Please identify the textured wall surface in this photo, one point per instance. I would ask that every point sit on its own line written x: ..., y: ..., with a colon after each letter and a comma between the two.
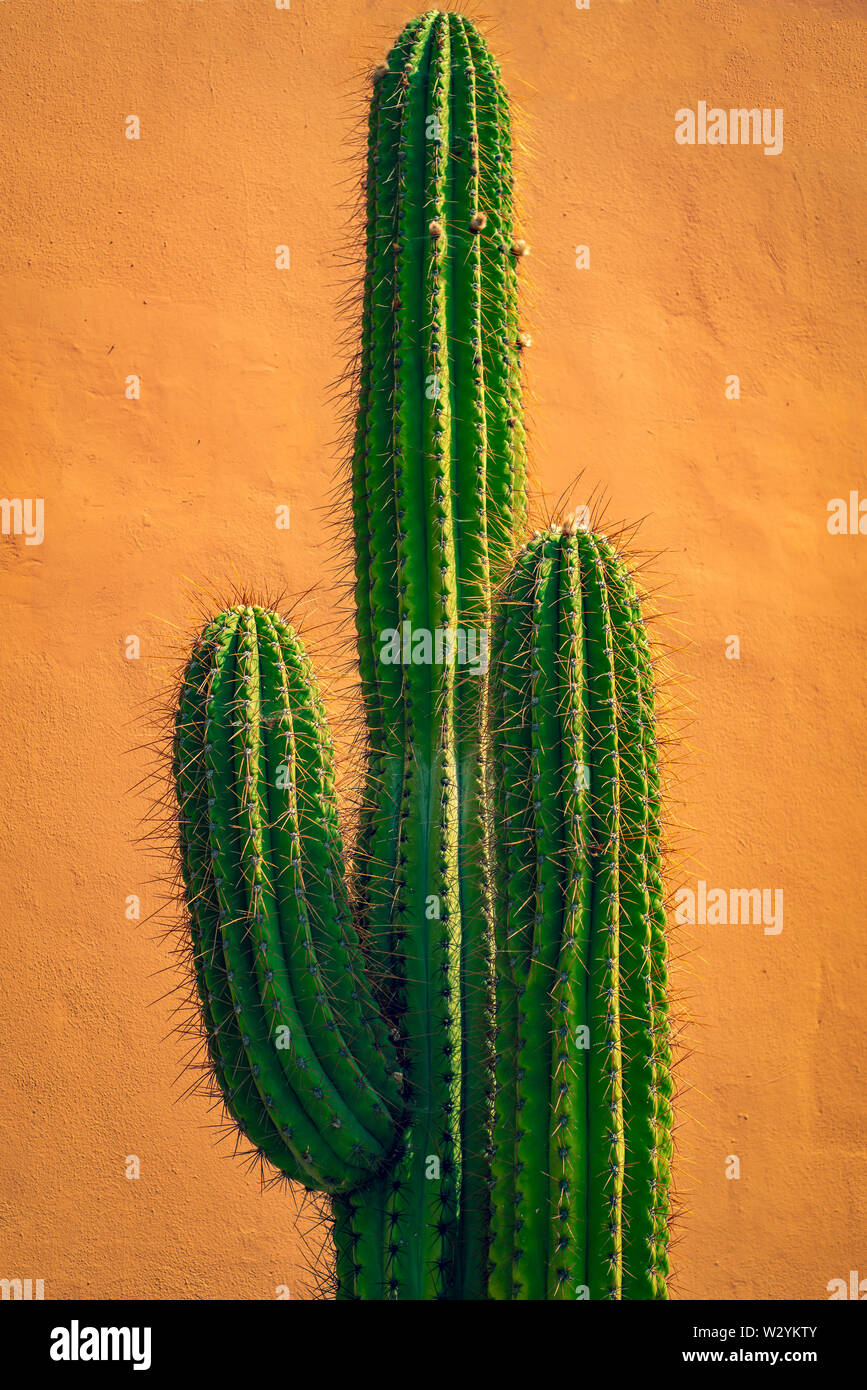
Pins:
x: 156, y: 258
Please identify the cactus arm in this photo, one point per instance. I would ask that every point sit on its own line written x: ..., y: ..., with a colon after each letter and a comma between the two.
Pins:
x: 578, y: 906
x: 281, y: 1095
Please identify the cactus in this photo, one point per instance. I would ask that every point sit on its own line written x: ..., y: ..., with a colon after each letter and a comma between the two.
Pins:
x: 406, y: 1039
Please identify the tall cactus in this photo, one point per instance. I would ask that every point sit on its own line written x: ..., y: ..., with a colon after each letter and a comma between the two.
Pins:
x: 351, y: 1022
x: 438, y: 492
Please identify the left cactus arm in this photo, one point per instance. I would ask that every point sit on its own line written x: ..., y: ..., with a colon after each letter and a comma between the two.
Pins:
x: 302, y: 1058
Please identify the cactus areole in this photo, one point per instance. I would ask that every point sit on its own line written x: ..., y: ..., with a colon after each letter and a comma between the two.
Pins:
x: 464, y: 1041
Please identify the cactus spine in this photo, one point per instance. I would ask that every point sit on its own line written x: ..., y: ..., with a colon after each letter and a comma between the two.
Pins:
x: 352, y: 1022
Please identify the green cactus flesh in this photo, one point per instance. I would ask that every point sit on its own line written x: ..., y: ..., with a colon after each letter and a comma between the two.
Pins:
x: 408, y: 1037
x: 300, y: 1051
x: 439, y: 498
x: 583, y: 1099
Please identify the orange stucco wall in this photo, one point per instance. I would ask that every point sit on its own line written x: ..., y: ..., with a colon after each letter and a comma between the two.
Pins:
x: 155, y: 257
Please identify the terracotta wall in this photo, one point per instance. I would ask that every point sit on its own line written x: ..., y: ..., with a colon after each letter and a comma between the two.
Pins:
x: 155, y: 258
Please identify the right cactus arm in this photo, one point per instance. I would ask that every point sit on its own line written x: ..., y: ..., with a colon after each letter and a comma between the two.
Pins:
x: 582, y: 1135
